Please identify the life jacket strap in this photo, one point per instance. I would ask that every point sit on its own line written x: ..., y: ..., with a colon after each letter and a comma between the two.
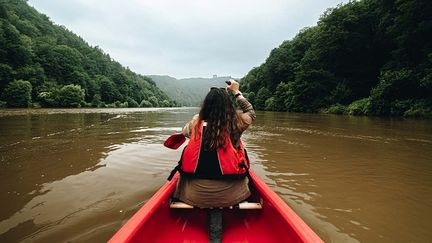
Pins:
x: 177, y: 168
x: 173, y: 171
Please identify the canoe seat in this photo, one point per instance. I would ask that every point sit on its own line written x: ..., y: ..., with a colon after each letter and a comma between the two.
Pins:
x: 242, y: 205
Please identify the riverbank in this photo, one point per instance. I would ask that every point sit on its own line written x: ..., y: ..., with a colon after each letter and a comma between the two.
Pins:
x: 419, y: 111
x: 405, y: 108
x: 47, y: 111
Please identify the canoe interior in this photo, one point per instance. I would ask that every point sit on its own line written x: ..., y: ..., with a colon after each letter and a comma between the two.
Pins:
x: 190, y: 225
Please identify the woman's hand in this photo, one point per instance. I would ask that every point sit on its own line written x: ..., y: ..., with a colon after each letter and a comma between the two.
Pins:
x: 233, y: 86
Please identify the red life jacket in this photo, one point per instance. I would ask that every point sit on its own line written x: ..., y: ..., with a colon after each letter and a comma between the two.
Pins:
x: 222, y: 163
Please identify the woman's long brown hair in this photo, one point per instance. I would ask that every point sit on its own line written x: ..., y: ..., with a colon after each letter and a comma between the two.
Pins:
x: 222, y: 120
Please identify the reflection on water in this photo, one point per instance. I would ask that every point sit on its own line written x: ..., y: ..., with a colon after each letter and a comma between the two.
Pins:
x: 351, y: 178
x: 78, y: 175
x: 69, y: 175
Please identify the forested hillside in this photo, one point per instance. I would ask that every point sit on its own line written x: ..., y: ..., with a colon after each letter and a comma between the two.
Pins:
x: 368, y: 57
x: 187, y: 91
x: 43, y: 64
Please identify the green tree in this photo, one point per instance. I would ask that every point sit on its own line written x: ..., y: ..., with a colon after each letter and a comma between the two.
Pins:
x: 71, y: 95
x: 359, y: 107
x: 393, y: 85
x: 6, y: 75
x: 154, y: 101
x: 49, y: 98
x: 281, y: 96
x: 15, y: 48
x: 270, y: 104
x: 92, y: 89
x: 165, y: 103
x: 96, y: 101
x: 145, y: 103
x: 108, y: 91
x: 251, y: 96
x: 61, y: 64
x: 307, y: 93
x: 35, y: 75
x: 261, y: 97
x: 18, y: 94
x: 131, y: 102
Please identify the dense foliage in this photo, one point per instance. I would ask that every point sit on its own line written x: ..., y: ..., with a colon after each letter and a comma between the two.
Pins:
x: 368, y: 57
x: 60, y: 69
x: 18, y: 93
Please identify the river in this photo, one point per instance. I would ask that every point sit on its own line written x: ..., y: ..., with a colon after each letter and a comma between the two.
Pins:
x: 79, y: 174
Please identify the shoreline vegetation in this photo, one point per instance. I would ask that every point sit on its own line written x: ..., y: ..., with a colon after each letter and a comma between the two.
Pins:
x: 46, y: 65
x: 405, y: 108
x: 5, y: 112
x: 366, y: 57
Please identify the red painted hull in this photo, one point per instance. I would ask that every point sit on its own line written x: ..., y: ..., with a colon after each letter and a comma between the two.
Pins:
x: 157, y: 222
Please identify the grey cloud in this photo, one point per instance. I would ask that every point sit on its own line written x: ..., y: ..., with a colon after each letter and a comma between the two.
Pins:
x: 186, y: 38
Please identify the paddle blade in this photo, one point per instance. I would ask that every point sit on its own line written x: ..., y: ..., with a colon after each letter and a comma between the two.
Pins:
x: 175, y: 141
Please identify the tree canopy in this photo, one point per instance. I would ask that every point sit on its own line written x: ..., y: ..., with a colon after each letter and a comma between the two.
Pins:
x: 18, y: 93
x: 370, y: 53
x: 55, y: 62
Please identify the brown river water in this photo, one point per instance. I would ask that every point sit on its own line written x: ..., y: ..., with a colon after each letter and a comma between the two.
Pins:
x: 77, y: 175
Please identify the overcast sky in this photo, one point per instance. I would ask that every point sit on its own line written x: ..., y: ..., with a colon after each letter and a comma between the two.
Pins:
x: 187, y: 38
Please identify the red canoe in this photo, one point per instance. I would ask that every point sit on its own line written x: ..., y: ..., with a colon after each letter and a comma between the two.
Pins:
x: 157, y: 222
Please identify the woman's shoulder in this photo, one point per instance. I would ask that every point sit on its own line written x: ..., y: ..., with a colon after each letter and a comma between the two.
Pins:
x: 187, y: 129
x: 195, y: 119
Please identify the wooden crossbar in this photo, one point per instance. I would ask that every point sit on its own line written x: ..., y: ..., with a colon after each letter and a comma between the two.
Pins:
x: 180, y: 205
x: 243, y: 205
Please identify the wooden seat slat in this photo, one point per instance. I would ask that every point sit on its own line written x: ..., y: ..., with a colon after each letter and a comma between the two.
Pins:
x: 242, y: 205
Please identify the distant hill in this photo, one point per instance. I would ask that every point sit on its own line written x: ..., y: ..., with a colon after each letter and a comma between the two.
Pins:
x: 187, y: 91
x: 44, y: 64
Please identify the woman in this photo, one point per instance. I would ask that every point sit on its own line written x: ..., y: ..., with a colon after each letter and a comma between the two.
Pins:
x: 214, y: 164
